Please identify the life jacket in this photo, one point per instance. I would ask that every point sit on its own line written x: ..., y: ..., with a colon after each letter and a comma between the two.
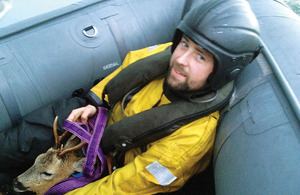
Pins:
x: 145, y: 127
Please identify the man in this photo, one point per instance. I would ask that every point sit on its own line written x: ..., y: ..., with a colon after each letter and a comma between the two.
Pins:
x: 190, y: 66
x: 211, y: 46
x: 173, y: 111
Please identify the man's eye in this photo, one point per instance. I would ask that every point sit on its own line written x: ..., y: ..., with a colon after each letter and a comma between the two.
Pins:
x: 184, y: 44
x: 200, y: 57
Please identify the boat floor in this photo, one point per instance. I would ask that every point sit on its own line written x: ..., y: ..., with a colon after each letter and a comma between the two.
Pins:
x: 201, y: 184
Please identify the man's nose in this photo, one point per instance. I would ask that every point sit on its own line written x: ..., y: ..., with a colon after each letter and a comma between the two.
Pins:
x: 183, y: 59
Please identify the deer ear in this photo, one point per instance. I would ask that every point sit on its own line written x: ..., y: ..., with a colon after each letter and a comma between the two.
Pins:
x: 78, y: 165
x: 72, y: 141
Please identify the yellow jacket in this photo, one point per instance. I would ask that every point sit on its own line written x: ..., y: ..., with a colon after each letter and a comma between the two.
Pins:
x: 169, y: 162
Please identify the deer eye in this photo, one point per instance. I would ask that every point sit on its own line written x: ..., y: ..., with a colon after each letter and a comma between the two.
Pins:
x: 46, y: 174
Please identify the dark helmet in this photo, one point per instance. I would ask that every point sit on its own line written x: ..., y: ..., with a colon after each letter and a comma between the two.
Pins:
x: 226, y: 28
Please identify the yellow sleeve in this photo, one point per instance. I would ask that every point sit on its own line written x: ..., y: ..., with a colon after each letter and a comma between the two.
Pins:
x: 184, y: 153
x: 130, y: 58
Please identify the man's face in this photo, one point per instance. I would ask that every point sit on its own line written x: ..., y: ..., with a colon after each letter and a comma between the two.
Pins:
x: 190, y: 66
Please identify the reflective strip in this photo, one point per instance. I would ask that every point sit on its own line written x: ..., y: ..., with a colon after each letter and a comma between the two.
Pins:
x: 161, y: 173
x: 152, y: 47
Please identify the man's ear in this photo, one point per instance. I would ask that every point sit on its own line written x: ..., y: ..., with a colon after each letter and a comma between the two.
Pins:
x: 78, y: 165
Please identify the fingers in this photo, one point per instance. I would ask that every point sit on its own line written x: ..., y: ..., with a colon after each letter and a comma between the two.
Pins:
x: 82, y: 113
x: 77, y: 117
x: 75, y: 113
x: 88, y: 112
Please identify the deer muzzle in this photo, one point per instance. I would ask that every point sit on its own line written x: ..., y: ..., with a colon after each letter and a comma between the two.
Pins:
x: 18, y: 186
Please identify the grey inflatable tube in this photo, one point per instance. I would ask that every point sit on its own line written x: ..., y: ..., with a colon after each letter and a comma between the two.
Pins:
x: 50, y: 55
x: 257, y: 145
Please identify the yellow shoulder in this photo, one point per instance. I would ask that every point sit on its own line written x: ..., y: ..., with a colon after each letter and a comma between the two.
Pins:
x: 130, y: 58
x: 136, y: 55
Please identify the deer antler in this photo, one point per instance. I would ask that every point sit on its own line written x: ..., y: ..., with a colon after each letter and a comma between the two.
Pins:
x: 56, y: 137
x: 59, y: 138
x: 55, y: 132
x: 63, y: 152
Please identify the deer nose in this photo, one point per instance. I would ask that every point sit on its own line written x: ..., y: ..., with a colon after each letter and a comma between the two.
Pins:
x: 18, y: 186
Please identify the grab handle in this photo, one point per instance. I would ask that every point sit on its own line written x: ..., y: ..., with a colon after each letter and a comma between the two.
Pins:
x: 92, y: 27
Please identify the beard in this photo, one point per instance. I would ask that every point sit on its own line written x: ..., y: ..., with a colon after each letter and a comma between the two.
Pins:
x: 182, y: 85
x: 176, y: 85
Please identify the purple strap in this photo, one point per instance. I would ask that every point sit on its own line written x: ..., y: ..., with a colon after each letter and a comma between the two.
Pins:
x: 92, y: 134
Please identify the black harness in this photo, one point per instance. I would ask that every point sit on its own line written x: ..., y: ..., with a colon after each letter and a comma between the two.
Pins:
x: 158, y: 122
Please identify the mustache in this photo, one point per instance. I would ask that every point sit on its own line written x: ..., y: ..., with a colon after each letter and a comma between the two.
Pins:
x: 179, y: 69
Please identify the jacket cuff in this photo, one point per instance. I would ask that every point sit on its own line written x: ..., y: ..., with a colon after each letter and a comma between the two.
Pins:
x: 94, y: 100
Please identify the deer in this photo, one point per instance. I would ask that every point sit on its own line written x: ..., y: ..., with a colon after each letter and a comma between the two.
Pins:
x: 53, y: 166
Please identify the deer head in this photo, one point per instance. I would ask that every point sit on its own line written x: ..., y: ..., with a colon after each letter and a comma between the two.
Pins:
x: 49, y: 168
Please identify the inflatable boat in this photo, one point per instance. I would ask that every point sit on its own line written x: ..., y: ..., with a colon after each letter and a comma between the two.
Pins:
x: 56, y: 49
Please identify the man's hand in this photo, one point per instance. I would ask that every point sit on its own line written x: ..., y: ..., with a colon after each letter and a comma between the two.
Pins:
x: 84, y: 113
